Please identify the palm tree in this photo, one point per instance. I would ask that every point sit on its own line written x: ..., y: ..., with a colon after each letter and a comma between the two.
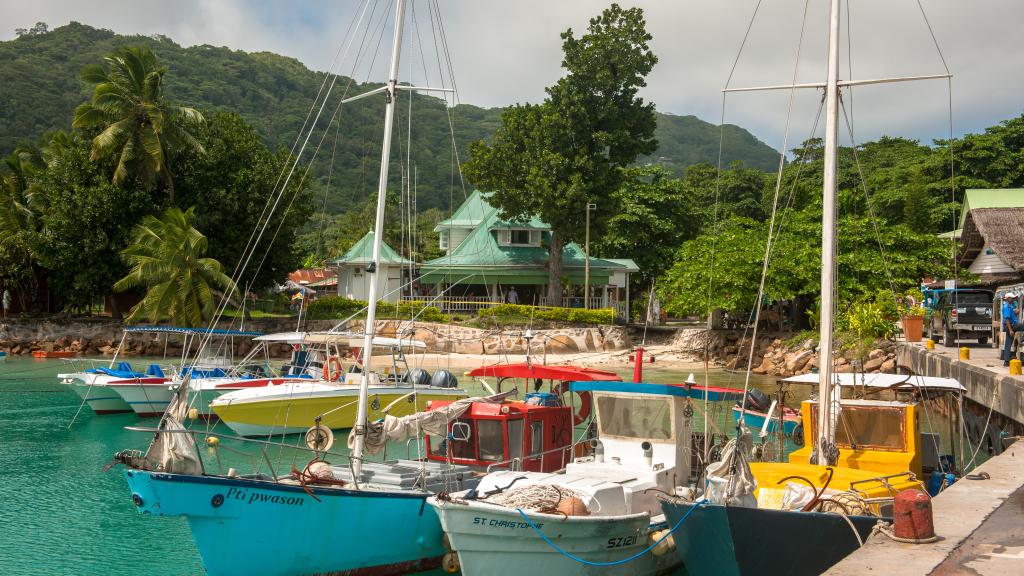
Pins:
x: 136, y: 124
x: 20, y: 221
x: 166, y: 257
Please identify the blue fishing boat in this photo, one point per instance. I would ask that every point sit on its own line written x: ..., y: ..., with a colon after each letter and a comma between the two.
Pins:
x: 3, y: 355
x: 354, y: 518
x: 755, y: 420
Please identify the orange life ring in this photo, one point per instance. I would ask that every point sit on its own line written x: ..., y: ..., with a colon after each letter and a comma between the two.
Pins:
x: 583, y: 413
x: 336, y: 363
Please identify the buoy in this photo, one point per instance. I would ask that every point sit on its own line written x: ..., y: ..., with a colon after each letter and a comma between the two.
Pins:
x: 965, y: 353
x: 1015, y: 367
x: 929, y: 344
x: 665, y: 546
x: 193, y: 413
x: 450, y: 562
x: 572, y: 506
x: 212, y: 441
x: 912, y: 516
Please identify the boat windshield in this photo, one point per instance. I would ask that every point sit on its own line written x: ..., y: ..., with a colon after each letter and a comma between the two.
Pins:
x: 635, y: 417
x: 869, y: 427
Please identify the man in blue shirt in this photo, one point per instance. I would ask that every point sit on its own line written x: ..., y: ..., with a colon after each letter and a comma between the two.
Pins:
x: 1011, y: 324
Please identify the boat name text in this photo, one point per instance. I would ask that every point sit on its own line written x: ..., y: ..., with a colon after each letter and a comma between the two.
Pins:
x: 257, y: 497
x: 498, y: 523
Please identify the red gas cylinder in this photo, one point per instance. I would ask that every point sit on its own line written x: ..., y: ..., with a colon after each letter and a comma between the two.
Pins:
x: 912, y: 515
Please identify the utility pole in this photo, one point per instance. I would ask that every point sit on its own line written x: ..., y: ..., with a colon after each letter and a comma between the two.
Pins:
x: 586, y: 267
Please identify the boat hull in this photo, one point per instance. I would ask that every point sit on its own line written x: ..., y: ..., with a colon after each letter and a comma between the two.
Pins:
x: 733, y: 541
x: 755, y: 420
x: 97, y: 395
x: 262, y: 528
x: 145, y: 396
x: 496, y: 541
x: 295, y: 414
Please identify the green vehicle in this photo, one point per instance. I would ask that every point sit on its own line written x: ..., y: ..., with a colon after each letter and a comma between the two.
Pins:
x: 962, y: 314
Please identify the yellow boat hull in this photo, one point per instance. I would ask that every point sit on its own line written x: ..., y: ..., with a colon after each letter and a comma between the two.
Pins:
x: 297, y: 414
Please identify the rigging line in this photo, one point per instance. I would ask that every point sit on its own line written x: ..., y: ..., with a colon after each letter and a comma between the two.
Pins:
x: 251, y: 249
x: 867, y: 199
x: 746, y: 35
x: 849, y: 54
x: 455, y: 96
x: 327, y: 190
x: 306, y: 172
x: 775, y: 206
x: 934, y: 39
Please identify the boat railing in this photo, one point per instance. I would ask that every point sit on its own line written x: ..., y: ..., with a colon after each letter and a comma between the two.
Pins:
x: 885, y: 481
x: 213, y: 443
x: 516, y: 464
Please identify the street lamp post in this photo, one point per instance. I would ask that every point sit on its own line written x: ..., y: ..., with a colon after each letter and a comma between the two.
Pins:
x: 586, y: 266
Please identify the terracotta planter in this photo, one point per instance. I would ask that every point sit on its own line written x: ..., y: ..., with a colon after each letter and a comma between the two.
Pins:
x: 913, y: 327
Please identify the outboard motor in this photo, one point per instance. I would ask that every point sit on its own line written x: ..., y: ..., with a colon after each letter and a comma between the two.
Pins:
x: 757, y: 400
x: 417, y: 377
x: 444, y: 379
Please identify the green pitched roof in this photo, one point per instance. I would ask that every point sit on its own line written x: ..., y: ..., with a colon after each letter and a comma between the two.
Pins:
x: 472, y: 212
x: 362, y: 253
x: 991, y: 198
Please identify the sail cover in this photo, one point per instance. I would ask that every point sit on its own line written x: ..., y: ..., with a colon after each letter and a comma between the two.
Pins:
x: 173, y: 448
x: 730, y: 480
x: 435, y: 422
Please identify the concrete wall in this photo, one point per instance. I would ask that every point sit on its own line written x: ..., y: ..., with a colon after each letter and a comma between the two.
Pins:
x: 1003, y: 393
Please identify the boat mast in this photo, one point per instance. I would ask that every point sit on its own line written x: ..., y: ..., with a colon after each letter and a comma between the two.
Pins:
x: 826, y: 435
x: 378, y: 235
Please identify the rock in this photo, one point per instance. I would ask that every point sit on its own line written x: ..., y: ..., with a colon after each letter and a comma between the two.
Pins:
x: 873, y: 364
x: 889, y: 366
x: 797, y: 360
x: 106, y: 350
x: 841, y: 361
x: 844, y: 369
x: 562, y: 344
x: 876, y: 353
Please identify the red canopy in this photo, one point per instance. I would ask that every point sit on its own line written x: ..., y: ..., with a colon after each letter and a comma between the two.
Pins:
x: 563, y: 373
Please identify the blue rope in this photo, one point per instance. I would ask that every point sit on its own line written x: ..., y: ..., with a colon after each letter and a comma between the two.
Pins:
x: 696, y: 505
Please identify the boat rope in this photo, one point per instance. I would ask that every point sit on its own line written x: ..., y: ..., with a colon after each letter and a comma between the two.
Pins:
x: 697, y: 504
x: 844, y: 516
x: 884, y: 528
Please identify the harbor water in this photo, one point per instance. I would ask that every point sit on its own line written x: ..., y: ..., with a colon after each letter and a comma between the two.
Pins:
x: 62, y: 514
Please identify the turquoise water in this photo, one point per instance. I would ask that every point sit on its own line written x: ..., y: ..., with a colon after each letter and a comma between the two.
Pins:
x: 61, y: 514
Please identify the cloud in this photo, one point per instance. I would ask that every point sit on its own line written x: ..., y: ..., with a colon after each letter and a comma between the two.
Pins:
x: 507, y: 52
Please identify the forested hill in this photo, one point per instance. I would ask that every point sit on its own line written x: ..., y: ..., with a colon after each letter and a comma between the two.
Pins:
x: 40, y: 87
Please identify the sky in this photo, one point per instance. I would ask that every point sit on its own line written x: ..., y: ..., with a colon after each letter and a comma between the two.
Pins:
x: 507, y: 52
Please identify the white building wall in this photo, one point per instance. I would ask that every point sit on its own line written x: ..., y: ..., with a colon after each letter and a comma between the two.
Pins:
x: 988, y: 262
x: 357, y: 286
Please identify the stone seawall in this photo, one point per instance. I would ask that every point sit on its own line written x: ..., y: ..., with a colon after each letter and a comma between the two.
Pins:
x: 91, y: 337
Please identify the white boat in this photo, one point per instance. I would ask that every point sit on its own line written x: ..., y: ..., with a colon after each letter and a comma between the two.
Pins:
x: 94, y: 385
x: 642, y: 450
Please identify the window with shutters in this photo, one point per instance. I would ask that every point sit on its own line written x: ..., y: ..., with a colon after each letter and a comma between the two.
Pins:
x: 443, y: 240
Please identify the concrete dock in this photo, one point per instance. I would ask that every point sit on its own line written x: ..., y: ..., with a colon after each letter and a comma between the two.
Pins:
x: 980, y: 524
x: 980, y: 521
x: 987, y: 381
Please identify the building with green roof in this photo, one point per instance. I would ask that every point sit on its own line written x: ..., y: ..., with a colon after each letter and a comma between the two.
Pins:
x: 485, y: 257
x: 354, y: 278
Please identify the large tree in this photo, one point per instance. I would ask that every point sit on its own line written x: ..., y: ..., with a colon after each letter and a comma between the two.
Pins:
x: 553, y: 159
x: 135, y: 123
x: 167, y: 258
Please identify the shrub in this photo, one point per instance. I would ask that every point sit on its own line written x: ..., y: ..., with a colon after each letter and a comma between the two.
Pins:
x: 341, y: 307
x: 869, y: 320
x: 523, y: 313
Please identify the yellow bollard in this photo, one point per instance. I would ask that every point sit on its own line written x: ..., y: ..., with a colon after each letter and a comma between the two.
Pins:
x: 965, y: 353
x: 1015, y: 367
x: 929, y: 344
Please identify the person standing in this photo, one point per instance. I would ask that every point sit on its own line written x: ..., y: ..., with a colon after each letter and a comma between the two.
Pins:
x: 513, y: 296
x: 1011, y: 324
x: 6, y: 301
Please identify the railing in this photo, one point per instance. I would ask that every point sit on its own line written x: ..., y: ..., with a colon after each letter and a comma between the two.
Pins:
x: 461, y: 304
x: 596, y: 302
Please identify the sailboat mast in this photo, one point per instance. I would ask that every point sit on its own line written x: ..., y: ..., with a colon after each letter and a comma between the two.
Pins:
x: 826, y: 434
x: 378, y: 238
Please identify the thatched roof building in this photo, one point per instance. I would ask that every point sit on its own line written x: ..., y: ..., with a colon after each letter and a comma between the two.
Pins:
x: 992, y: 245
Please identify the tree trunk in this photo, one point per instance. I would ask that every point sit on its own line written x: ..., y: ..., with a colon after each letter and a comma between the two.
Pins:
x: 169, y: 180
x: 555, y: 271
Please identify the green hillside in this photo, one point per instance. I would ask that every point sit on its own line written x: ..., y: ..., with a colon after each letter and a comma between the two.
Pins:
x: 39, y: 88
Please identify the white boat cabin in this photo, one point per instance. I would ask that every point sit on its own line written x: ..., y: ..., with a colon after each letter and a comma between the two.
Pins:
x: 643, y: 443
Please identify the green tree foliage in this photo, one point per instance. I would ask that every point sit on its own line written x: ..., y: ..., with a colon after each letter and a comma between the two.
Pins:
x: 551, y: 160
x: 86, y: 222
x: 20, y: 201
x: 230, y: 184
x: 653, y: 219
x: 167, y: 258
x: 40, y: 86
x: 135, y: 122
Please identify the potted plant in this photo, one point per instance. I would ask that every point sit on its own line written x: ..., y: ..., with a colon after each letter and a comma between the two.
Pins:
x: 912, y: 315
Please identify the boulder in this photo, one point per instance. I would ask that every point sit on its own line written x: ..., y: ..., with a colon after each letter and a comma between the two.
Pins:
x: 873, y: 364
x: 889, y: 366
x: 796, y: 361
x: 876, y: 353
x: 562, y: 344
